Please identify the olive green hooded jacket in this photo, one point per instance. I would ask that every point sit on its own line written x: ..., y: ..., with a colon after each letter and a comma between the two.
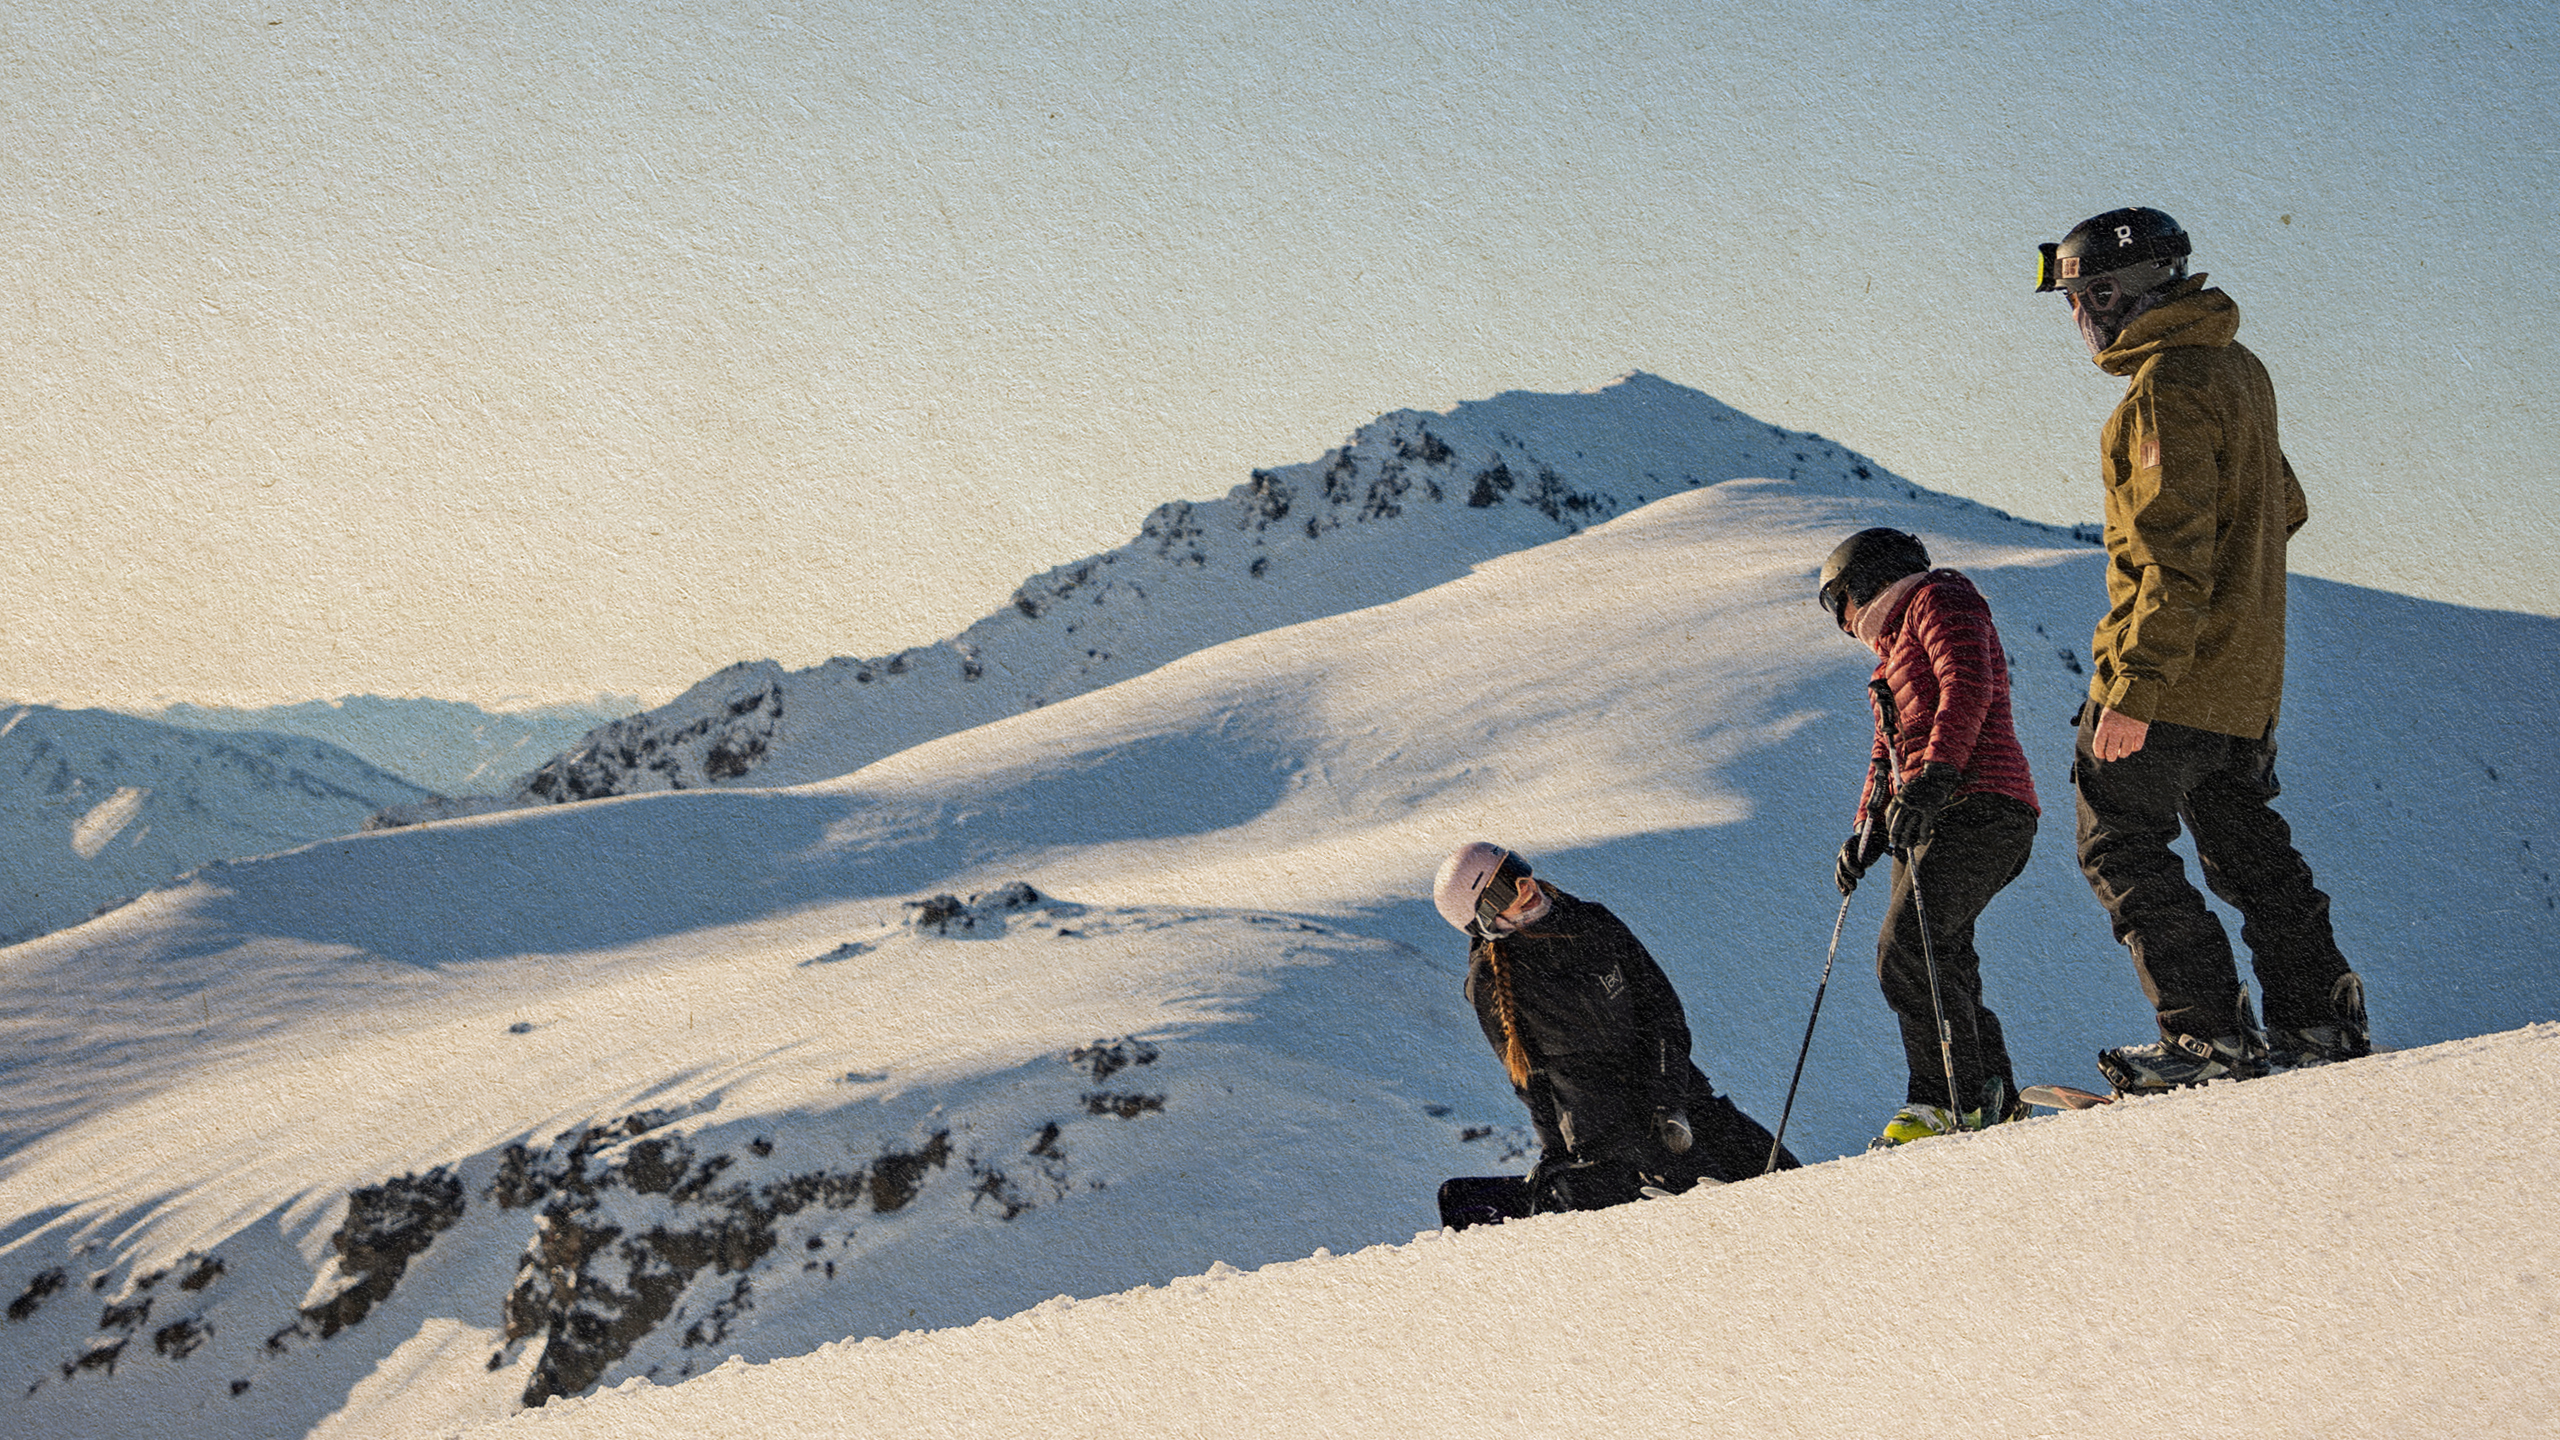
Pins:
x: 2200, y: 503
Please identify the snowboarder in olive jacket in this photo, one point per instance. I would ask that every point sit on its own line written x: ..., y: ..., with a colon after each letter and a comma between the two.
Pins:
x: 2179, y: 726
x: 1594, y: 1039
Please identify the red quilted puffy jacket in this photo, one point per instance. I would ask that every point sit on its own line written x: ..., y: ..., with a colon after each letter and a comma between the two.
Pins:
x: 1950, y: 683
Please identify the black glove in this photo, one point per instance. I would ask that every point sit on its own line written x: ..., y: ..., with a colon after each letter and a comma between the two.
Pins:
x: 1863, y: 849
x: 1857, y: 853
x: 1671, y: 1127
x: 1583, y: 1184
x: 1914, y: 812
x: 1550, y: 1184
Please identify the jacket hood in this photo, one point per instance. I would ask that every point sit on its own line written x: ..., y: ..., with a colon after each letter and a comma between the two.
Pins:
x: 2192, y: 315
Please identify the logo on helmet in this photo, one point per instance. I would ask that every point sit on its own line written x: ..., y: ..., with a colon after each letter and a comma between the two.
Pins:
x: 2124, y: 236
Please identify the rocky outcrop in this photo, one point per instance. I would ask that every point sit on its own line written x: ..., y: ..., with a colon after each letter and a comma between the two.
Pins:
x: 639, y: 1225
x: 387, y: 1226
x: 129, y: 1315
x: 598, y: 1276
x: 719, y: 730
x: 638, y: 1231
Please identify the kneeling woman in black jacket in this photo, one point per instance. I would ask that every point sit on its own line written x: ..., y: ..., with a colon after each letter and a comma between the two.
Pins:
x: 1595, y: 1041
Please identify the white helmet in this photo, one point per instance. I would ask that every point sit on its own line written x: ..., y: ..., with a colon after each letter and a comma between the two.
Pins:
x: 1467, y: 885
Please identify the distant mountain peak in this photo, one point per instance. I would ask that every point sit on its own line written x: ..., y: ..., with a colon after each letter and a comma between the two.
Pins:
x: 1411, y: 500
x: 98, y: 807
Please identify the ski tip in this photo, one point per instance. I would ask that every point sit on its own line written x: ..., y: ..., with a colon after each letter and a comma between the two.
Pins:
x: 2064, y: 1097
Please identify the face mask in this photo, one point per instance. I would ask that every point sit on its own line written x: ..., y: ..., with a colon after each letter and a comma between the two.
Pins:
x: 2094, y: 329
x: 1869, y: 626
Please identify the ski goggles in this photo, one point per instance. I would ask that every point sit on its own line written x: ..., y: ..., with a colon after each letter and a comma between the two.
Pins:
x: 2052, y: 269
x: 2100, y: 290
x: 1834, y: 597
x: 1499, y: 893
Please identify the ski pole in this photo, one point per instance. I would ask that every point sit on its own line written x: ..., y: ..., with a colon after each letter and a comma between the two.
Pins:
x: 1779, y: 1140
x: 1937, y: 1007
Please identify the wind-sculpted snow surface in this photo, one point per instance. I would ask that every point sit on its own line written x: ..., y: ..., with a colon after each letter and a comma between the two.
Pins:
x: 1027, y: 1097
x: 1412, y: 500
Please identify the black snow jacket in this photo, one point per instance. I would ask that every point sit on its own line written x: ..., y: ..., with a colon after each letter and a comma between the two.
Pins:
x: 1608, y: 1048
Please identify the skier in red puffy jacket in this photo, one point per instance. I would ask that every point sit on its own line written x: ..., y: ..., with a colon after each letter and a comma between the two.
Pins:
x: 1948, y: 795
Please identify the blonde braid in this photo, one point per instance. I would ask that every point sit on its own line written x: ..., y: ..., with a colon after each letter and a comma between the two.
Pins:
x: 1506, y: 1008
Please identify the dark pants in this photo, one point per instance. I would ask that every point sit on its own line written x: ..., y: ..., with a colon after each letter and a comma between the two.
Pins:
x: 2219, y: 786
x: 1980, y: 844
x: 1728, y: 1145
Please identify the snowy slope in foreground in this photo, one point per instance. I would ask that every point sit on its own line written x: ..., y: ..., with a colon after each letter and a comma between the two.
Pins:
x: 2361, y: 1250
x: 458, y: 1115
x: 508, y: 1181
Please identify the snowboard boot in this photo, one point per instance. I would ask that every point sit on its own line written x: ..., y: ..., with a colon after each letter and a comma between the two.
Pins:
x: 1916, y: 1122
x: 2184, y: 1060
x: 2179, y: 1061
x: 2291, y: 1048
x: 1582, y: 1184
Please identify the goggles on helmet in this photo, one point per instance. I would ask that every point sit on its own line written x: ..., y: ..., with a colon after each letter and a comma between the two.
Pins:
x: 2141, y: 245
x: 2049, y: 266
x: 2105, y: 292
x: 2102, y: 288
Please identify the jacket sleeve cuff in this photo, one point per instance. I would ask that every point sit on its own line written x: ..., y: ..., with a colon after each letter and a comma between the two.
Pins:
x: 2134, y: 697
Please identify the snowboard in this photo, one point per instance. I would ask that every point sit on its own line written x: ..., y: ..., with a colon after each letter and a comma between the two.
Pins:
x: 1492, y: 1199
x: 1483, y: 1200
x: 2064, y: 1097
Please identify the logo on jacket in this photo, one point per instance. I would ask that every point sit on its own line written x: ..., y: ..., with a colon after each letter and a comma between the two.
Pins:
x: 1614, y: 982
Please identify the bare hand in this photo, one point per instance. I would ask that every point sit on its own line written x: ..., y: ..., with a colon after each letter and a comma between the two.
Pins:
x: 2118, y: 735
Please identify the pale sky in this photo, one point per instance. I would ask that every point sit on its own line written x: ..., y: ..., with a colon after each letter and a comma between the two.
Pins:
x: 521, y: 350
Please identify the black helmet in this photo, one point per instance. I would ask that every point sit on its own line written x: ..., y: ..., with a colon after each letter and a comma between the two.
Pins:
x: 1864, y: 564
x: 2139, y: 249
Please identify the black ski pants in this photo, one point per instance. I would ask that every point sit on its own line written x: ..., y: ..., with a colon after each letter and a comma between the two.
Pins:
x: 1728, y: 1145
x: 1979, y: 845
x: 2221, y: 787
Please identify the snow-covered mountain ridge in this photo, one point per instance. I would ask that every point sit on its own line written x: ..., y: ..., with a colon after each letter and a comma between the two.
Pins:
x: 1411, y: 500
x: 97, y: 807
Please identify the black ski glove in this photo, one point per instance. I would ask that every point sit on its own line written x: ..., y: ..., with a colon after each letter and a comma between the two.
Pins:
x: 1857, y: 854
x: 1671, y: 1127
x: 1914, y: 813
x: 1864, y: 848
